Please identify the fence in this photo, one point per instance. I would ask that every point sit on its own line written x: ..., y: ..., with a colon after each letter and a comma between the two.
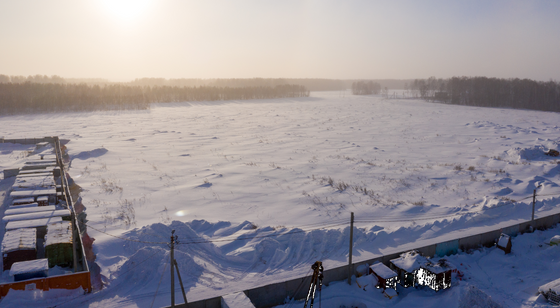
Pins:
x: 275, y: 294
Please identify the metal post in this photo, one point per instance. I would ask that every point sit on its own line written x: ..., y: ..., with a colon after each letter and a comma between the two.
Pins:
x: 181, y: 282
x: 172, y: 261
x: 534, y: 200
x: 350, y: 250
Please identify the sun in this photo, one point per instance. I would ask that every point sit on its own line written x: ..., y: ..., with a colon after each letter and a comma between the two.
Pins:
x: 126, y: 10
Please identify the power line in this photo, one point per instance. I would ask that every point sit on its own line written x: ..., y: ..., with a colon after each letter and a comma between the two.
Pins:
x: 126, y: 239
x: 157, y: 289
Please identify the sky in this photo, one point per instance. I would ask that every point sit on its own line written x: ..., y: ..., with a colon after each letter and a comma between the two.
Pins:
x: 126, y: 39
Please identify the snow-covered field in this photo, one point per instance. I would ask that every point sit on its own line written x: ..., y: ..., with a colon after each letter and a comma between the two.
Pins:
x: 411, y: 171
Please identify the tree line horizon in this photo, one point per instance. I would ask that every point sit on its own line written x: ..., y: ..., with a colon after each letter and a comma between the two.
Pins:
x: 29, y: 97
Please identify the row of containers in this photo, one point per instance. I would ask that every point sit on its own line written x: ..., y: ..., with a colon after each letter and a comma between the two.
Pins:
x: 38, y: 240
x: 411, y: 269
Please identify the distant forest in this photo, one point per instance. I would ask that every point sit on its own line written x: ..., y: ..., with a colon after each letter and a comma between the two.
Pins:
x: 490, y: 92
x: 365, y: 88
x: 312, y: 84
x: 51, y: 97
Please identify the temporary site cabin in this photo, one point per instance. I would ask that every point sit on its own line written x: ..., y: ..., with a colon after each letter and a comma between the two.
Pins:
x: 407, y: 266
x: 436, y: 276
x: 29, y: 269
x: 58, y: 244
x: 385, y: 276
x: 19, y: 245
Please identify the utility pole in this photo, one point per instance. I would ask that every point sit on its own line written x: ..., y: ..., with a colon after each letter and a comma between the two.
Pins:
x: 350, y: 250
x: 172, y: 262
x: 534, y: 200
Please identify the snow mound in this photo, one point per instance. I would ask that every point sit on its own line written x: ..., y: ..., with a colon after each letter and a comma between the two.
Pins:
x: 475, y: 298
x: 90, y: 154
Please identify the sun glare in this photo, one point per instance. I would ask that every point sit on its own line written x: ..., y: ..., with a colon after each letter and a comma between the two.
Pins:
x: 126, y: 10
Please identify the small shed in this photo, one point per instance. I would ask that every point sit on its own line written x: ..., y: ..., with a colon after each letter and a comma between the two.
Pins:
x: 385, y: 276
x: 407, y: 266
x: 44, y: 200
x: 58, y: 244
x: 551, y: 291
x: 29, y: 269
x: 436, y: 276
x: 19, y: 245
x: 504, y: 243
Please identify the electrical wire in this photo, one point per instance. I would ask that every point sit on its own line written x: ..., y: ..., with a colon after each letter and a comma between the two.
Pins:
x: 157, y: 289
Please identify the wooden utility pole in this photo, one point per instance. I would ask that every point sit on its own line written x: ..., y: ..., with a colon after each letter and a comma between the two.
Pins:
x: 350, y: 250
x: 534, y: 200
x: 172, y: 262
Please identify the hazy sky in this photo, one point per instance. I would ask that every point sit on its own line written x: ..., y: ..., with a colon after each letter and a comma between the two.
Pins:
x: 126, y: 39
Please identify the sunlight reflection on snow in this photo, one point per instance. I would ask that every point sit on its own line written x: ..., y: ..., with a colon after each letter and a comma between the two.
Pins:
x: 181, y: 213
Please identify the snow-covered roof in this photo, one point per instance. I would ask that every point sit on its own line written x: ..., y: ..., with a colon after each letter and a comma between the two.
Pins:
x: 24, y: 200
x: 34, y: 223
x: 57, y: 233
x: 32, y: 192
x: 439, y: 267
x: 32, y: 266
x: 24, y: 209
x: 36, y: 215
x: 23, y: 173
x: 409, y: 261
x: 382, y: 271
x: 24, y: 206
x: 503, y: 241
x: 551, y: 286
x: 19, y: 239
x: 35, y: 181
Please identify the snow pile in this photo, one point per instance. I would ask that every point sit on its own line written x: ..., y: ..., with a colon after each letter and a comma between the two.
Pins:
x: 472, y: 297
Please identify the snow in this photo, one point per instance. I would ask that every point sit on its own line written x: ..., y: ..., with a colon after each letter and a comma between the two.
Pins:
x: 29, y: 202
x: 410, y: 261
x: 19, y: 239
x: 382, y: 271
x: 11, y: 225
x: 236, y: 300
x: 551, y: 286
x: 32, y: 192
x: 439, y: 267
x: 417, y: 173
x: 60, y: 232
x: 503, y: 241
x: 32, y: 266
x: 555, y: 240
x: 390, y: 292
x: 36, y: 215
x: 24, y: 209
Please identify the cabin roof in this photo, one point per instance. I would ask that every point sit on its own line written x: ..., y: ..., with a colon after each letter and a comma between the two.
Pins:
x: 34, y: 223
x: 19, y: 239
x: 32, y: 266
x: 409, y: 261
x: 382, y: 271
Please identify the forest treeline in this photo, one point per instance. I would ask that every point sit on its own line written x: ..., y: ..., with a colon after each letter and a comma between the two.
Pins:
x: 50, y: 97
x: 491, y: 92
x: 365, y: 87
x: 312, y: 84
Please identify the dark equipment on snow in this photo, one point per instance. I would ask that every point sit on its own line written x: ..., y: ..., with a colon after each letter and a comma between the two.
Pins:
x: 316, y: 279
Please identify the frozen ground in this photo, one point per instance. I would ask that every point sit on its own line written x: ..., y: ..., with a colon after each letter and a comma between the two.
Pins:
x: 411, y: 171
